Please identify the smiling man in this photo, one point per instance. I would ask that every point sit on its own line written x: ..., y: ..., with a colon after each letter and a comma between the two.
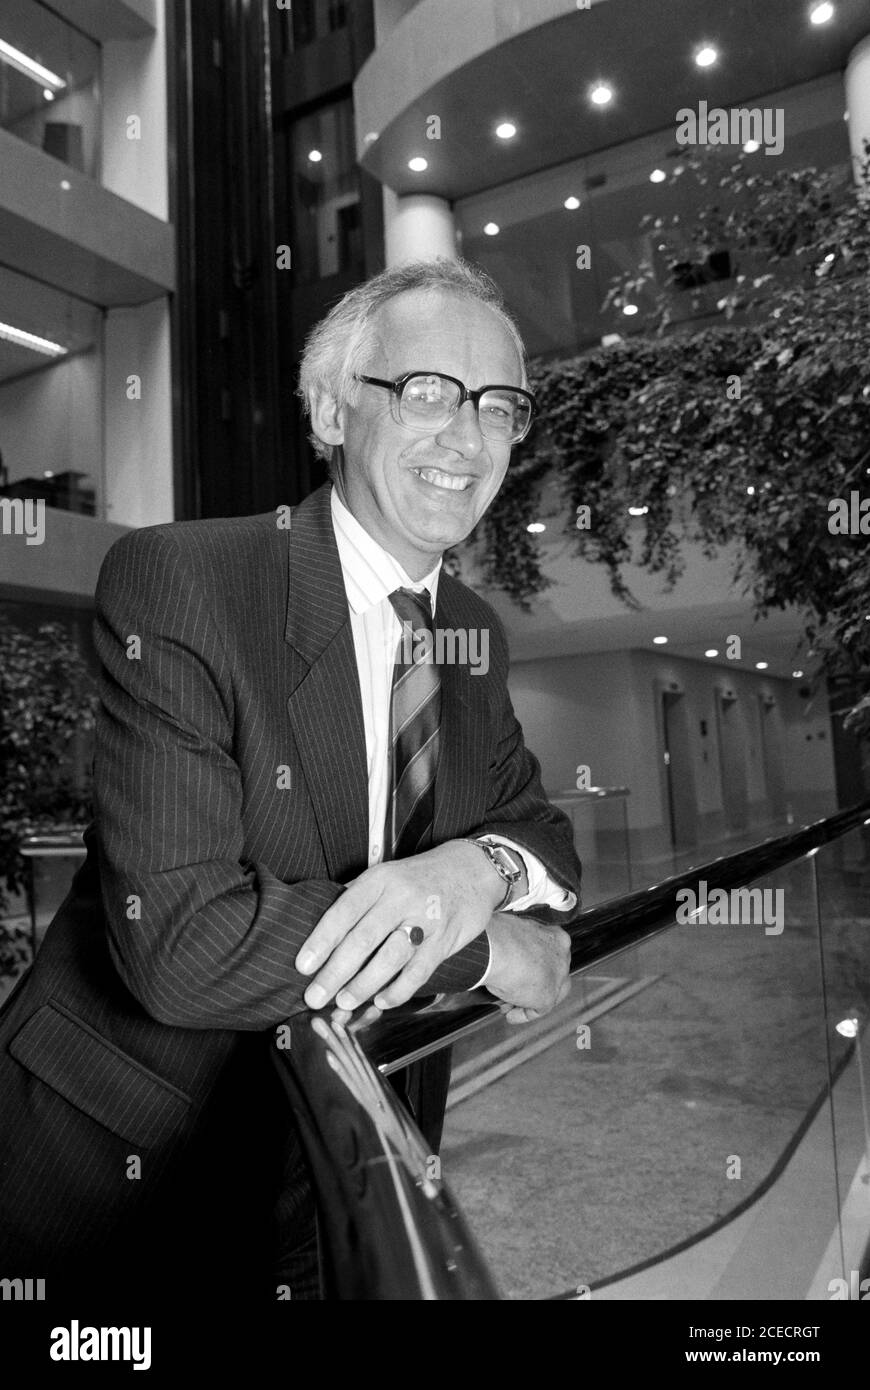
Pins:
x: 290, y: 812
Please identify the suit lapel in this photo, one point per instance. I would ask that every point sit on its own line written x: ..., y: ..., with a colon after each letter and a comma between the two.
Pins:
x: 463, y: 767
x: 324, y: 705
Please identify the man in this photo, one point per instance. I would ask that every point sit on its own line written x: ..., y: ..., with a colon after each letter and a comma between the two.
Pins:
x: 291, y: 812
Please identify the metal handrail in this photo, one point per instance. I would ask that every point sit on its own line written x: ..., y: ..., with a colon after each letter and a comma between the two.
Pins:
x: 388, y: 1227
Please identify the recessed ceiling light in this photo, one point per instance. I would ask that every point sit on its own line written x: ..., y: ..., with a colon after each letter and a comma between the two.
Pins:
x: 660, y: 641
x: 48, y: 473
x: 751, y: 491
x: 601, y: 94
x: 536, y: 527
x: 48, y: 94
x: 370, y: 137
x: 657, y: 176
x: 629, y: 309
x: 16, y: 59
x: 820, y: 14
x: 797, y: 675
x: 638, y: 511
x: 572, y: 203
x: 314, y: 156
x: 418, y: 164
x: 65, y: 185
x: 506, y: 130
x: 706, y: 56
x: 711, y: 651
x: 761, y: 665
x: 751, y: 146
x: 21, y: 338
x: 829, y: 257
x: 492, y: 229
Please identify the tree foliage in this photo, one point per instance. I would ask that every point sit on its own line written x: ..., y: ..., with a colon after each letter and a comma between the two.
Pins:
x: 47, y: 698
x: 739, y: 434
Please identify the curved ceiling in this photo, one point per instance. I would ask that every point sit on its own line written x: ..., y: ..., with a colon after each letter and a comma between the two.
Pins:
x: 540, y: 79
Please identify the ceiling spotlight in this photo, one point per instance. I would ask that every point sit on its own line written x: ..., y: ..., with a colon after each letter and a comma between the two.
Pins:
x: 657, y: 176
x: 492, y: 229
x: 706, y: 56
x: 660, y: 641
x: 314, y: 156
x: 711, y: 651
x: 820, y: 14
x: 48, y: 94
x: 536, y: 527
x: 572, y: 203
x: 847, y: 1027
x: 638, y: 511
x: 48, y: 473
x: 629, y: 309
x: 751, y: 146
x: 797, y: 675
x: 65, y: 185
x: 601, y: 94
x: 418, y: 164
x: 751, y: 491
x: 506, y: 131
x: 761, y: 665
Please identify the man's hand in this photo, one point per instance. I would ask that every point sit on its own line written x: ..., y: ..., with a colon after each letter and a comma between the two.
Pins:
x: 529, y: 968
x: 360, y: 944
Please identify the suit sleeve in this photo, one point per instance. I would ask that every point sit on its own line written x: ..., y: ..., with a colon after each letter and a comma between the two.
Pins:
x: 517, y: 810
x: 201, y: 938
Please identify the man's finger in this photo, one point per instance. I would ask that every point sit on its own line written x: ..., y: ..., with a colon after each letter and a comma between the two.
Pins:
x: 349, y: 957
x: 405, y: 986
x: 338, y: 919
x: 383, y: 967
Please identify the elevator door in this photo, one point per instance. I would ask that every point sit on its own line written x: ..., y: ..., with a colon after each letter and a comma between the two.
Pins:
x: 679, y: 772
x: 772, y: 759
x: 732, y: 762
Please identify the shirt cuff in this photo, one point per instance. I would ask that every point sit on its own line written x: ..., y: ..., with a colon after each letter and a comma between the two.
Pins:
x: 543, y: 891
x: 483, y: 977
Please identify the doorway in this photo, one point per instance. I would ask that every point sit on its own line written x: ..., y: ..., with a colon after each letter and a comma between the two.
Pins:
x: 732, y: 761
x: 682, y: 802
x: 772, y: 756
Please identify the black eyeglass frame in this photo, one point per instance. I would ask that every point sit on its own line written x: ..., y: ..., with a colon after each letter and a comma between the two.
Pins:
x: 398, y: 386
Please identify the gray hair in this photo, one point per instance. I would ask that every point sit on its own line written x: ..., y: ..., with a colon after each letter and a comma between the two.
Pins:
x: 338, y: 347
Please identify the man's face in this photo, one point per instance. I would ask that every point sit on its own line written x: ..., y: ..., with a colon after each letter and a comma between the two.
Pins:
x: 415, y: 518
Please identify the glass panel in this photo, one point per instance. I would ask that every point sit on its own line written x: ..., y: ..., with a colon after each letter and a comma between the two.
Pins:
x: 324, y: 189
x: 565, y: 232
x: 681, y: 1137
x: 51, y: 396
x: 50, y: 85
x: 843, y: 869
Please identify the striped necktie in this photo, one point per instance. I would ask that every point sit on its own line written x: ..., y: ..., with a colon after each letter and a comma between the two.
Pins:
x: 415, y: 717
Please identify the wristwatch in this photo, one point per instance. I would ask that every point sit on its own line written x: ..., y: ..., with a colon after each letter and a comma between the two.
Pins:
x: 507, y: 864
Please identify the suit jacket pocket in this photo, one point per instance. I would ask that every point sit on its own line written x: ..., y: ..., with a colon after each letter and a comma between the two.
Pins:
x: 97, y: 1078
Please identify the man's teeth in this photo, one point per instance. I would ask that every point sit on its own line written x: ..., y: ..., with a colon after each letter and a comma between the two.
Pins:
x: 455, y: 482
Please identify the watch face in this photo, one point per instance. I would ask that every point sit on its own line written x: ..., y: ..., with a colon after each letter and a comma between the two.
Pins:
x: 506, y: 864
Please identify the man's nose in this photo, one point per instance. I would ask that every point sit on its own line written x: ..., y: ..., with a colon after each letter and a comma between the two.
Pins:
x: 462, y: 432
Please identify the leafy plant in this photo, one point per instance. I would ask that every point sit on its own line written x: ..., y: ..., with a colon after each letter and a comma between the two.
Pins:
x: 47, y: 697
x: 739, y: 434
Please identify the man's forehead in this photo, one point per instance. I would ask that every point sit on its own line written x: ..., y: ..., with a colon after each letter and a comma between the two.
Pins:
x: 426, y: 324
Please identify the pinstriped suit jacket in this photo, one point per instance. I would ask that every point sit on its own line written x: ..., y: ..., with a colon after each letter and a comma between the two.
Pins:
x: 231, y: 797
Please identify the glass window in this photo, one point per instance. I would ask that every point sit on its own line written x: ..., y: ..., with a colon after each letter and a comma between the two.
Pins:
x: 325, y: 195
x: 306, y: 21
x: 49, y: 84
x: 51, y: 396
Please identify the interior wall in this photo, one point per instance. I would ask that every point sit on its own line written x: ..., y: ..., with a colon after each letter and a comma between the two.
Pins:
x: 602, y: 709
x: 53, y: 419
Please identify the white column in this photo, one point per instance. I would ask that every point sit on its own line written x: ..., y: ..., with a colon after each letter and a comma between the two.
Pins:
x: 417, y: 228
x: 138, y: 415
x: 858, y: 99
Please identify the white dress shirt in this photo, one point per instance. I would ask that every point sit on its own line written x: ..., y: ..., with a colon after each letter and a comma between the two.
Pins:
x: 371, y: 574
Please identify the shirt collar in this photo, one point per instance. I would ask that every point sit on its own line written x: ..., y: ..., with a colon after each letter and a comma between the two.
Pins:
x: 370, y: 572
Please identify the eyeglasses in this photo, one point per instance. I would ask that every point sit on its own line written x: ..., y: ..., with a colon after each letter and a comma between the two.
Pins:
x: 428, y: 400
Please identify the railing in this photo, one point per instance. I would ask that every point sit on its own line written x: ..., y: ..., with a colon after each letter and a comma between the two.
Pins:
x: 390, y: 1228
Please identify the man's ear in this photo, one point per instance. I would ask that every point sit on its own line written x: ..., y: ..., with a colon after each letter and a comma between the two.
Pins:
x: 327, y: 418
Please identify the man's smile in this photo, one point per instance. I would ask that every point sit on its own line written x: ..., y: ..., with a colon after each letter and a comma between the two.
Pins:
x: 451, y: 482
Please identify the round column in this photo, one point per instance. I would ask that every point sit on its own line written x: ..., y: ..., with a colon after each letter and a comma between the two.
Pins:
x: 418, y: 227
x: 857, y: 81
